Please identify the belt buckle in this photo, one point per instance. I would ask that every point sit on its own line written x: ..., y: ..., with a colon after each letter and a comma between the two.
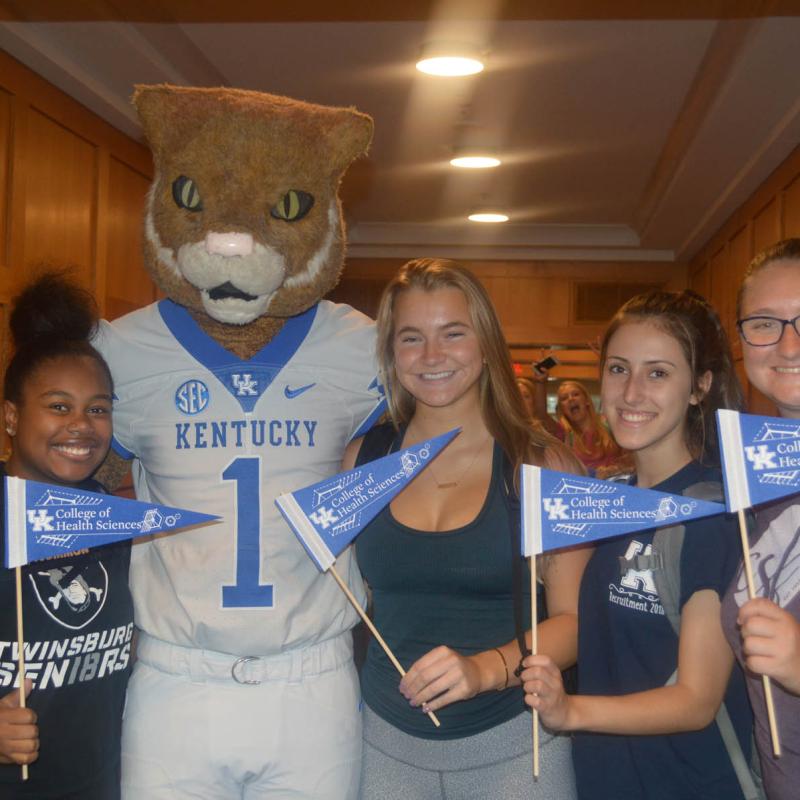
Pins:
x: 240, y: 663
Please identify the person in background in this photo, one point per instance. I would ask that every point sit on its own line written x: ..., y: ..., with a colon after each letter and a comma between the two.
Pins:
x: 765, y: 631
x: 645, y: 715
x: 579, y: 425
x: 527, y: 390
x: 77, y: 609
x: 443, y: 560
x: 585, y: 431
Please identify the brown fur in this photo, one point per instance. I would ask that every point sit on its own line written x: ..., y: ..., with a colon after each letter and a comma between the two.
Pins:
x: 244, y: 150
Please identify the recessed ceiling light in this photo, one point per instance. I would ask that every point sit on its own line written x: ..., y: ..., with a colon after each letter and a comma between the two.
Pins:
x: 448, y: 59
x: 475, y: 161
x: 488, y: 216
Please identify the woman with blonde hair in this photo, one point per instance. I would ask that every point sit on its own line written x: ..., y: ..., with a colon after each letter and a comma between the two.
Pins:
x: 584, y: 430
x: 443, y: 561
x: 579, y: 426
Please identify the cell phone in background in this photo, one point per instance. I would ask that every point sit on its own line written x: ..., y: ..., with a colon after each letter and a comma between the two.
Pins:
x: 541, y: 367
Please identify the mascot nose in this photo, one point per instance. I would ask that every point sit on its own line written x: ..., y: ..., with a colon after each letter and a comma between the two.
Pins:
x: 229, y: 244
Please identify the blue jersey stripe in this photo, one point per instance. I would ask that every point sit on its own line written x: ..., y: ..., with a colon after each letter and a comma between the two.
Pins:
x: 245, y: 379
x: 373, y: 417
x: 120, y: 450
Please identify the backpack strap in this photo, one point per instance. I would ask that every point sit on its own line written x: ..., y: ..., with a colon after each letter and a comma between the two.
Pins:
x: 515, y: 532
x: 748, y: 774
x: 668, y: 545
x: 378, y: 441
x: 665, y: 563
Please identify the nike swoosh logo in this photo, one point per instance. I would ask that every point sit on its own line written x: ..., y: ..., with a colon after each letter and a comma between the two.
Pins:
x: 292, y: 393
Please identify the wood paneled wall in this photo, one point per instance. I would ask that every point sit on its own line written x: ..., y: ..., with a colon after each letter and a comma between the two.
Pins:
x: 73, y: 191
x: 772, y: 213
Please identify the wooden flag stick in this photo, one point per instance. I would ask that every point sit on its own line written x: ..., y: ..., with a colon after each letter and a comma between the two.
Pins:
x: 368, y: 622
x: 751, y: 593
x: 20, y: 653
x: 534, y: 650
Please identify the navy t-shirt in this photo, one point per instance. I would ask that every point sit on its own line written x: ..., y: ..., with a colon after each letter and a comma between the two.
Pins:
x: 626, y: 644
x: 78, y: 625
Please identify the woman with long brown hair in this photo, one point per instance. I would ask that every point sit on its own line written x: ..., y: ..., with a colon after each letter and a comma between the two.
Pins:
x: 649, y: 696
x: 441, y: 560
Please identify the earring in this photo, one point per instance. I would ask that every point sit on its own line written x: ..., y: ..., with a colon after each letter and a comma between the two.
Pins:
x: 10, y: 431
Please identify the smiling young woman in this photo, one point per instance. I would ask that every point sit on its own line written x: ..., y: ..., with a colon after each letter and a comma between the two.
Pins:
x: 57, y: 412
x: 765, y: 631
x: 441, y: 560
x: 666, y: 369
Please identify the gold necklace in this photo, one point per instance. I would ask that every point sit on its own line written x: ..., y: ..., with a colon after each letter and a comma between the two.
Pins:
x: 453, y: 484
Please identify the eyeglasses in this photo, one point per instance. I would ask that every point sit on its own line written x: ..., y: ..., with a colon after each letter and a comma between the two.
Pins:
x: 764, y: 331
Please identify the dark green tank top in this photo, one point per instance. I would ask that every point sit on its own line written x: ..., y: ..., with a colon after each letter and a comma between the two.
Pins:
x: 449, y: 588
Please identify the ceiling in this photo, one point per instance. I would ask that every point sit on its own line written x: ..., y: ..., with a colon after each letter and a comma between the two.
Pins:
x: 626, y: 133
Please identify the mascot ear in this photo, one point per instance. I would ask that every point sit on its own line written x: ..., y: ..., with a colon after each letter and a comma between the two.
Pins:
x: 169, y: 114
x: 348, y: 134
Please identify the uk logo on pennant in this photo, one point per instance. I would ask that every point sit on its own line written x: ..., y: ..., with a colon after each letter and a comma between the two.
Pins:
x: 328, y: 515
x: 562, y: 510
x: 43, y: 520
x: 760, y: 458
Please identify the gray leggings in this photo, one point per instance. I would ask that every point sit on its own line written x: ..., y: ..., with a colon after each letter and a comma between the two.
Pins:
x: 494, y: 764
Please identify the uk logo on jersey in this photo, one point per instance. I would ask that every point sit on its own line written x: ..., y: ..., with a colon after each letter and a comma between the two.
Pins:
x: 192, y: 397
x: 244, y: 384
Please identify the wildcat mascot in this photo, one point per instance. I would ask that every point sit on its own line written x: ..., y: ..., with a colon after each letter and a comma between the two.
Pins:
x: 242, y: 384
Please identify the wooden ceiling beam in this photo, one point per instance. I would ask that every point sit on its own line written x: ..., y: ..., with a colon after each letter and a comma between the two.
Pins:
x: 166, y: 11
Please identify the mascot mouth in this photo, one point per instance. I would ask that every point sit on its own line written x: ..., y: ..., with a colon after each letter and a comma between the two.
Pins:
x: 226, y: 290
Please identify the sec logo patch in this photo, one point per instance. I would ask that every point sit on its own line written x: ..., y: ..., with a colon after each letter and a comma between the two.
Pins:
x: 192, y: 397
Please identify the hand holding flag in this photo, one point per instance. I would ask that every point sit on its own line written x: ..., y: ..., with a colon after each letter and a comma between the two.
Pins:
x: 761, y: 463
x: 328, y: 515
x: 44, y: 520
x: 563, y: 510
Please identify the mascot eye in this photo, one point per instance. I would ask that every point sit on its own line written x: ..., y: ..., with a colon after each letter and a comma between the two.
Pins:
x: 185, y: 194
x: 294, y: 205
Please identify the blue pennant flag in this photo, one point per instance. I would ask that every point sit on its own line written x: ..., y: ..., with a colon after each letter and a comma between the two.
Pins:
x: 562, y: 510
x: 760, y: 458
x: 44, y: 520
x: 328, y: 515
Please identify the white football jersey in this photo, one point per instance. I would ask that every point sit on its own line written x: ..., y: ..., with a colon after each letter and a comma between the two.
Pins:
x: 213, y: 433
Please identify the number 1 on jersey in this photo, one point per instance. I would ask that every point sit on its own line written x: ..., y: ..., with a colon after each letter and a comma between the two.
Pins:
x: 247, y: 592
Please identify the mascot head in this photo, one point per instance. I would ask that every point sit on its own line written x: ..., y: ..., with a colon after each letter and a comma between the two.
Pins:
x: 243, y: 218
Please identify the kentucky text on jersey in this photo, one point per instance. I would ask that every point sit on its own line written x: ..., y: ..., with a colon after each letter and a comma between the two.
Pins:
x: 245, y: 433
x: 63, y: 662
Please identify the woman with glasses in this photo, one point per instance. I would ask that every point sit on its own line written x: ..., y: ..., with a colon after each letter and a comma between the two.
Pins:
x: 765, y: 632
